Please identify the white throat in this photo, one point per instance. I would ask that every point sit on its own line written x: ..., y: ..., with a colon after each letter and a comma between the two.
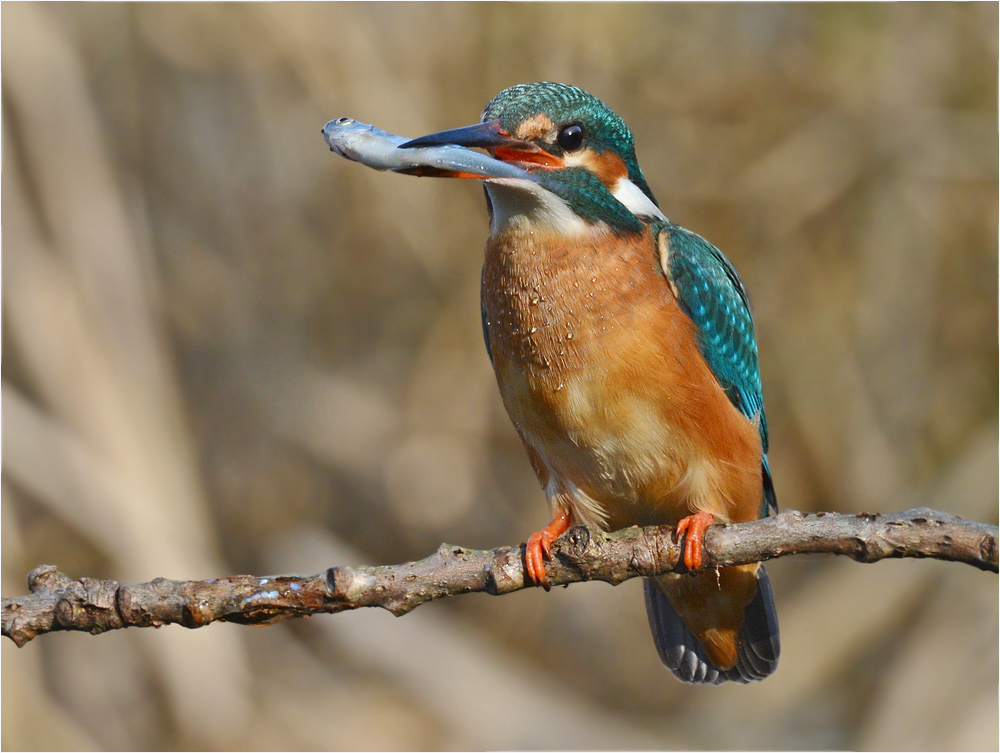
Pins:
x: 523, y: 205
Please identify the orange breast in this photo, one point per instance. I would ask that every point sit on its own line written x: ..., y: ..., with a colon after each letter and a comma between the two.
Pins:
x: 601, y: 374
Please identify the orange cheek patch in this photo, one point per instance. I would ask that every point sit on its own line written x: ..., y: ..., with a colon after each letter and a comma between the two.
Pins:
x: 606, y: 165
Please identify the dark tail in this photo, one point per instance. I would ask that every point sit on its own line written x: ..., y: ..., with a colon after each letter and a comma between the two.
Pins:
x: 683, y: 654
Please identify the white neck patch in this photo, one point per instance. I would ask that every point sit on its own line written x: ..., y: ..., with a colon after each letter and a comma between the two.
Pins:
x: 629, y: 194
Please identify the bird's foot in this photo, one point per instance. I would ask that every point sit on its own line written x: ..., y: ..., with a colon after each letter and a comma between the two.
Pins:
x: 538, y: 549
x: 693, y: 528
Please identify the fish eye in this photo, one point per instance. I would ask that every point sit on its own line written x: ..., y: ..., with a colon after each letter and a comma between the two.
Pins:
x: 570, y: 137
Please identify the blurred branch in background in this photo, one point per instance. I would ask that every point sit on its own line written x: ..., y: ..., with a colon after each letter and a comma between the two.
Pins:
x: 205, y: 312
x: 59, y: 603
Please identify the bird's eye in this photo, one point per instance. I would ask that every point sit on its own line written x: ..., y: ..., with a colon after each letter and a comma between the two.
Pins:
x: 570, y: 137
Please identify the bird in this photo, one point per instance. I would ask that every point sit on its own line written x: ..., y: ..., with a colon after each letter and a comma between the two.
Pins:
x: 625, y: 353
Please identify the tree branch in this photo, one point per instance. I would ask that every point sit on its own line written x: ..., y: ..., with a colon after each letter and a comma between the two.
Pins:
x: 57, y: 602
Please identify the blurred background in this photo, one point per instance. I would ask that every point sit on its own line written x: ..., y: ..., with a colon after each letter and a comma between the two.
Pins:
x: 228, y: 351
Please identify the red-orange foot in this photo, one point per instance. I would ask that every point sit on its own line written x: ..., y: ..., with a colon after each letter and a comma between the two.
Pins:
x: 538, y: 549
x: 694, y: 526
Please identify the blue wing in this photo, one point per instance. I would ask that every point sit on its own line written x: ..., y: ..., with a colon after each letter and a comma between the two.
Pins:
x: 711, y: 293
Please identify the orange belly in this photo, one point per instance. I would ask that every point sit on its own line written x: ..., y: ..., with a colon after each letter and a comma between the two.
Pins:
x: 600, y: 372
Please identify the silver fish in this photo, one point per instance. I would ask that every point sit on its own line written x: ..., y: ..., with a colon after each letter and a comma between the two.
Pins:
x: 376, y: 148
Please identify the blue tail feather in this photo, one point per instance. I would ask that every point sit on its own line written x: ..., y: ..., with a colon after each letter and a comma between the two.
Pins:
x: 682, y: 653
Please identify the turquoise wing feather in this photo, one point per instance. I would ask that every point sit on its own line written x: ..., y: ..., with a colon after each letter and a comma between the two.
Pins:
x: 710, y: 292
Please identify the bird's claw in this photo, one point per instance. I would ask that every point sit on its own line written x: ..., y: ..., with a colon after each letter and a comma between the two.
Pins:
x: 536, y: 552
x: 539, y: 549
x: 693, y: 529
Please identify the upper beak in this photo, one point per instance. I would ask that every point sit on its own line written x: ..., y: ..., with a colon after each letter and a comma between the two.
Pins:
x: 486, y: 135
x: 491, y: 136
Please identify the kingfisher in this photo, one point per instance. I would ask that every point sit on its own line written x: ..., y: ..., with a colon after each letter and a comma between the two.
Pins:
x: 625, y: 353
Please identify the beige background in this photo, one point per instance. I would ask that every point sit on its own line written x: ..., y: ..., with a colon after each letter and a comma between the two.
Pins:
x: 227, y: 350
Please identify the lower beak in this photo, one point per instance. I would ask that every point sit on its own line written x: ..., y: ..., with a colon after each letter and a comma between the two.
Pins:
x: 491, y: 136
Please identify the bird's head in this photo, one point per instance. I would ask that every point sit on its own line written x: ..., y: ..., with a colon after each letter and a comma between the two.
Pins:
x: 580, y: 153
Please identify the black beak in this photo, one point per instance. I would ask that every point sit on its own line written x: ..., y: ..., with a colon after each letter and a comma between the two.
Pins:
x: 485, y: 135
